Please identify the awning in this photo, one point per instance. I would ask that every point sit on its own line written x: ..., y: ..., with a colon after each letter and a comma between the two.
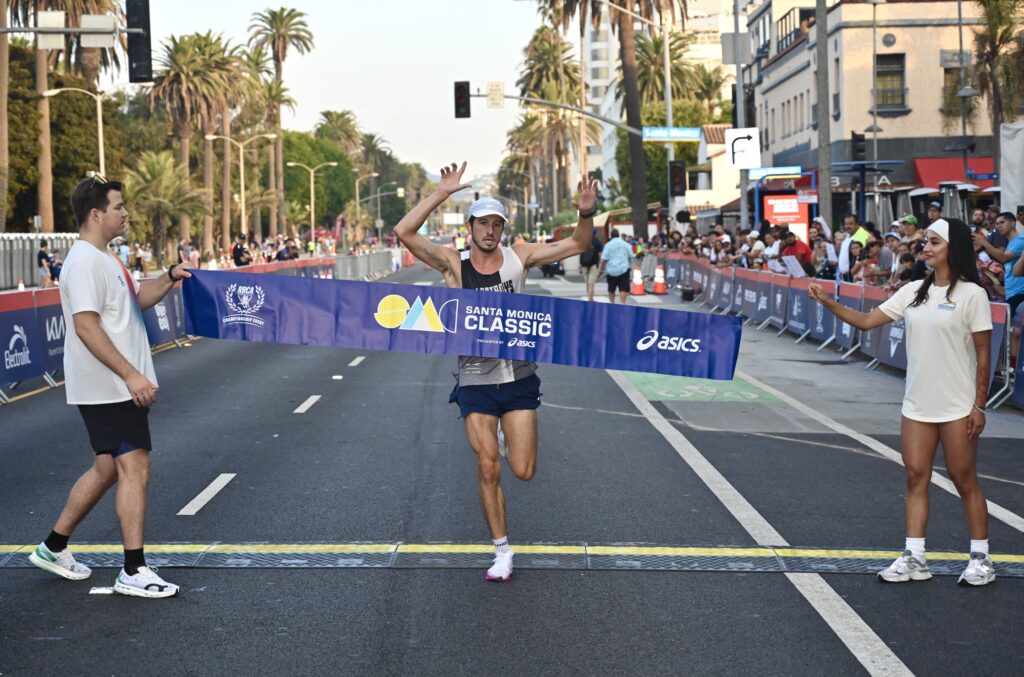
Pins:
x: 932, y: 171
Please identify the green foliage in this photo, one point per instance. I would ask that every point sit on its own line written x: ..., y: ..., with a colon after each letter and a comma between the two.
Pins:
x: 335, y: 186
x: 685, y: 113
x: 157, y: 192
x: 23, y: 121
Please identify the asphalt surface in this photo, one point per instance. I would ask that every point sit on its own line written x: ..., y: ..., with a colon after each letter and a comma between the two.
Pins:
x: 382, y: 458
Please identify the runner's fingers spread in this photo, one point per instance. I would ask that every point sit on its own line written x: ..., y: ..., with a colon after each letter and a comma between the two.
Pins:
x: 462, y: 169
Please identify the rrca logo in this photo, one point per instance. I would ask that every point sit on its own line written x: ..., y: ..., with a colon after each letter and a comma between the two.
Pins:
x: 394, y: 312
x: 680, y: 343
x: 244, y: 301
x: 14, y: 357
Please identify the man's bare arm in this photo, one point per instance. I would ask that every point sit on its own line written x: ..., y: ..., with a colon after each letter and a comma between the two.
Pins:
x: 434, y: 255
x: 538, y: 254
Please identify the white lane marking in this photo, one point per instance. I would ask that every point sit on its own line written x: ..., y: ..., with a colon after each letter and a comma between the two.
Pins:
x: 197, y: 503
x: 421, y: 283
x: 356, y: 362
x: 337, y: 377
x: 866, y: 646
x: 305, y: 406
x: 1002, y: 514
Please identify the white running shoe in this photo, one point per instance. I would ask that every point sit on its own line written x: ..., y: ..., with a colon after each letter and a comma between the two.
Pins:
x: 905, y: 568
x: 501, y: 570
x: 61, y: 563
x: 979, y: 571
x: 502, y: 444
x: 146, y: 583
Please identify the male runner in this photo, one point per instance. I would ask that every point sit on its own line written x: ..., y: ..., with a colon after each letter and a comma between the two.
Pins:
x: 490, y: 390
x: 108, y: 373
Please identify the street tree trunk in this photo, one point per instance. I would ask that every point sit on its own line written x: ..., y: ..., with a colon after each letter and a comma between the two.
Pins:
x: 45, y: 162
x: 5, y: 156
x: 824, y: 114
x: 637, y: 157
x: 208, y: 128
x: 184, y: 139
x: 996, y: 106
x: 225, y: 180
x: 272, y: 184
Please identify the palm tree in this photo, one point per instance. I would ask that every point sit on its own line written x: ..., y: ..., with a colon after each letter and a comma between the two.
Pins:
x: 627, y: 52
x: 189, y: 90
x: 5, y: 154
x: 998, y: 32
x: 549, y: 71
x: 341, y: 128
x: 278, y: 30
x: 708, y: 83
x: 157, y: 189
x: 373, y: 151
x: 650, y: 64
x: 275, y: 96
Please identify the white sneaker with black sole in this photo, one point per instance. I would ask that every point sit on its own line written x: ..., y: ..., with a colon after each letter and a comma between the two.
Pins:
x: 61, y: 563
x: 501, y: 570
x: 145, y: 583
x: 905, y: 568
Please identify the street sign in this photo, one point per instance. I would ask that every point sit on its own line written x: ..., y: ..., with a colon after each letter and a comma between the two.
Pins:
x: 729, y: 48
x: 743, y: 148
x: 761, y: 172
x: 971, y: 174
x: 532, y: 205
x: 671, y: 134
x: 806, y: 197
x: 495, y: 94
x: 50, y: 20
x: 400, y: 192
x: 98, y: 21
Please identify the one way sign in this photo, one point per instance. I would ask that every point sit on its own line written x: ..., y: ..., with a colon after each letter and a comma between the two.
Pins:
x: 743, y: 148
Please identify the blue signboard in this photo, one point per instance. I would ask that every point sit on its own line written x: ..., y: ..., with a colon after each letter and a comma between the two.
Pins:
x: 760, y: 173
x: 671, y: 133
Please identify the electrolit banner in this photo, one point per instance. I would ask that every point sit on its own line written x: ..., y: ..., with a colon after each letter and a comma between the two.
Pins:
x: 414, y: 319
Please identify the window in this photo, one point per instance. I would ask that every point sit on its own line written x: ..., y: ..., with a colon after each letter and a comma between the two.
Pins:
x: 950, y: 86
x: 800, y: 125
x: 598, y: 54
x: 773, y: 126
x: 889, y: 74
x: 599, y: 73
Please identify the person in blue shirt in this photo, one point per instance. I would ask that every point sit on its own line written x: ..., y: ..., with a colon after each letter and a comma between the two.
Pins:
x: 615, y: 263
x: 1014, y: 280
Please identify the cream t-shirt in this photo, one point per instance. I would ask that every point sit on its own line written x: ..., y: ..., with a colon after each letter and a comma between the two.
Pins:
x: 93, y: 280
x: 941, y: 360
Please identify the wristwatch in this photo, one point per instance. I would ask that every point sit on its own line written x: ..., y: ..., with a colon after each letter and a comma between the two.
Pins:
x: 171, y: 277
x: 588, y: 215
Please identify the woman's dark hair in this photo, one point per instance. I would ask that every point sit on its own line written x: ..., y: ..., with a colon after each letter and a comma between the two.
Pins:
x: 962, y: 264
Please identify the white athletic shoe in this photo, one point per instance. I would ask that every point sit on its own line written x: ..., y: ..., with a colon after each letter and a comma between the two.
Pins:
x: 61, y: 563
x: 146, y: 583
x: 979, y: 571
x: 502, y: 444
x: 501, y: 570
x: 905, y: 568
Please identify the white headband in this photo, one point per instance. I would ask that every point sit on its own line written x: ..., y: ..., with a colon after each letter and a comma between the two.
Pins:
x: 941, y: 228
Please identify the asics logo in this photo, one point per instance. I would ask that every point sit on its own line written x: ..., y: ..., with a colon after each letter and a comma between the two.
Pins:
x: 521, y: 343
x: 680, y: 343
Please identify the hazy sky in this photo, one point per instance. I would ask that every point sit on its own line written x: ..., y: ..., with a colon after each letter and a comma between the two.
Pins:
x: 392, y: 62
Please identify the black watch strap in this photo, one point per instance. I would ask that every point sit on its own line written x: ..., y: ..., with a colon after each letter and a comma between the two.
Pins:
x: 588, y: 215
x: 169, y: 273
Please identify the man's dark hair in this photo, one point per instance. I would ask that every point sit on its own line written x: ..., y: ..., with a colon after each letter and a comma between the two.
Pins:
x: 851, y: 216
x: 43, y: 244
x: 615, y: 233
x: 91, y: 193
x: 1008, y: 216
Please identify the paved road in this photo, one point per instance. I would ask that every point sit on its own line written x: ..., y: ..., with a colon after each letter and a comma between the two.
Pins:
x: 746, y: 495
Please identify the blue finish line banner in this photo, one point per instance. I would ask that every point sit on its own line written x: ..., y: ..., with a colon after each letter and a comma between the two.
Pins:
x: 442, y: 321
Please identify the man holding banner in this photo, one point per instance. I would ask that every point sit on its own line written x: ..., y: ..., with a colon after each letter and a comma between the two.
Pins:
x: 108, y: 372
x: 490, y: 391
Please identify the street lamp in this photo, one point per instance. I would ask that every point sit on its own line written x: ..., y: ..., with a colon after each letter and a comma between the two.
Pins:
x: 98, y: 97
x: 241, y: 167
x: 358, y: 179
x: 380, y: 221
x: 312, y: 195
x: 874, y: 128
x: 966, y: 91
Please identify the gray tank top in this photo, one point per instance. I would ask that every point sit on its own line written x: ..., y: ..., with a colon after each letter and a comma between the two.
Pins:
x: 510, y: 278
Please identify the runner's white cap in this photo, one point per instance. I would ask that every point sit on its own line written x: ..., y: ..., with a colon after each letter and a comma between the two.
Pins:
x: 487, y: 206
x: 941, y: 228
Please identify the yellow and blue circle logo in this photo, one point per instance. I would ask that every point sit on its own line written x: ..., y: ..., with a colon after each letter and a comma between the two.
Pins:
x: 395, y: 312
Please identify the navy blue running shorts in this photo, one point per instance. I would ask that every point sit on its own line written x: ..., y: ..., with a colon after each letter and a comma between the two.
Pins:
x: 116, y: 428
x: 497, y: 400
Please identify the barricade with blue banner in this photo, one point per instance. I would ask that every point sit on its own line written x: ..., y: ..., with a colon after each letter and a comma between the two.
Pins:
x: 50, y: 319
x: 738, y: 284
x: 799, y: 300
x: 748, y: 281
x: 161, y: 320
x: 892, y: 345
x: 870, y: 341
x: 851, y: 296
x: 24, y: 354
x: 673, y: 270
x: 763, y: 310
x: 820, y: 320
x: 780, y: 297
x: 725, y: 289
x: 1000, y: 326
x: 405, y: 318
x: 1018, y: 388
x: 713, y: 282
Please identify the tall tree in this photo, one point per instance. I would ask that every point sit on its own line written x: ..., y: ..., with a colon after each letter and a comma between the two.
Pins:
x: 279, y: 30
x: 5, y: 154
x: 708, y: 83
x: 275, y: 97
x: 650, y: 65
x: 189, y: 92
x: 341, y: 128
x: 998, y: 32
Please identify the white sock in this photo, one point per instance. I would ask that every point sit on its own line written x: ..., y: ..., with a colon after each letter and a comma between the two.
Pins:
x: 501, y: 545
x: 916, y: 547
x: 980, y: 546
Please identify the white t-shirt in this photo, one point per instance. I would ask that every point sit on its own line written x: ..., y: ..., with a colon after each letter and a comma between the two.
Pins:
x: 941, y: 360
x: 93, y: 280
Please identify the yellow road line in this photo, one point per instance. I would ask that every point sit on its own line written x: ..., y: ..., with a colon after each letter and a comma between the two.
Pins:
x: 679, y: 552
x: 302, y: 548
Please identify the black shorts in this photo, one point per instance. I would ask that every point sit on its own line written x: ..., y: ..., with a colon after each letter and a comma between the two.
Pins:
x: 497, y: 400
x: 116, y: 428
x: 620, y: 282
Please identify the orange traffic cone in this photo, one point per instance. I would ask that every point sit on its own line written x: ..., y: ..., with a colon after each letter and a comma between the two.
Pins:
x: 659, y: 281
x: 637, y: 286
x: 21, y: 285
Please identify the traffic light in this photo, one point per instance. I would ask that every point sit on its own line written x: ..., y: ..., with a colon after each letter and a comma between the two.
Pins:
x: 857, y: 147
x: 677, y: 178
x: 140, y: 60
x: 462, y: 99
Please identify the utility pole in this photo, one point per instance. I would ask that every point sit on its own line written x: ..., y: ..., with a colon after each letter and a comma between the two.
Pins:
x: 824, y: 112
x: 741, y: 112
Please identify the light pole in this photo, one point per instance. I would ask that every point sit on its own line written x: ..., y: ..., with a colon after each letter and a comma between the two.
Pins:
x: 874, y: 128
x: 98, y: 97
x: 966, y: 91
x: 312, y: 195
x: 241, y: 167
x: 358, y: 179
x: 380, y: 221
